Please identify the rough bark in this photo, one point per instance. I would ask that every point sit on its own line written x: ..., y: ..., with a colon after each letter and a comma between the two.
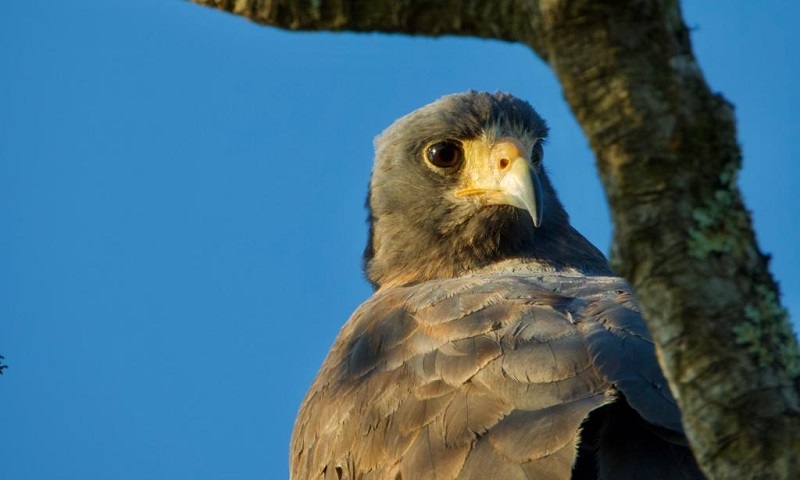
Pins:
x: 667, y: 153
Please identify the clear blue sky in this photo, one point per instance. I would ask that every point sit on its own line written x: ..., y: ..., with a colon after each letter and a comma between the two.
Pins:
x: 181, y: 212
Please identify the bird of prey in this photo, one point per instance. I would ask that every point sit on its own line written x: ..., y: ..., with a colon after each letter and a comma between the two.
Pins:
x: 498, y: 344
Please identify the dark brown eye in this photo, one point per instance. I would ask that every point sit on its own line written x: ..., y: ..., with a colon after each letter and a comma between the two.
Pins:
x: 447, y: 154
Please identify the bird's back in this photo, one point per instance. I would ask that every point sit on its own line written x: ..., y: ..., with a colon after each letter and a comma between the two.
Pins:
x: 497, y: 375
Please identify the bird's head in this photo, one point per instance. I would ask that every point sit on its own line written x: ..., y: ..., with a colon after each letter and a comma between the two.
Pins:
x: 458, y: 185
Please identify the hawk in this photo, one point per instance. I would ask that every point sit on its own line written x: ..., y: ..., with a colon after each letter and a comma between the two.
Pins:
x: 498, y: 344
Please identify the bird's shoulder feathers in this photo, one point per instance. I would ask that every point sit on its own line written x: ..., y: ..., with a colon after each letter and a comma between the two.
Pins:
x: 482, y: 376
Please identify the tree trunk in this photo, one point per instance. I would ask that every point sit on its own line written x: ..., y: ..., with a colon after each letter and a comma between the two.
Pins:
x: 667, y: 153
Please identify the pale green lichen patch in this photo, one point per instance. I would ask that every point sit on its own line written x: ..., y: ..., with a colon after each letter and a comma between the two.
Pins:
x: 719, y: 225
x: 766, y: 332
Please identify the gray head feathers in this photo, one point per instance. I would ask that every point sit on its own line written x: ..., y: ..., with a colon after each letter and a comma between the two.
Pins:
x: 420, y: 229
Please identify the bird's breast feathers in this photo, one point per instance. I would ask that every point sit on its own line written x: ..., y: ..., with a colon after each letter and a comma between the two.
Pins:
x: 452, y: 376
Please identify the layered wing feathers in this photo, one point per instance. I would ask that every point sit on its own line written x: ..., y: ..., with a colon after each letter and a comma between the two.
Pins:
x: 486, y: 376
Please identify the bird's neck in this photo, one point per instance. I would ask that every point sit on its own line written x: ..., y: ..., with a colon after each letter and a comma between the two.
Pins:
x: 417, y: 256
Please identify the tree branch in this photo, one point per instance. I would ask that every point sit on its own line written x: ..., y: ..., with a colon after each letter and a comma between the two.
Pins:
x: 668, y: 157
x: 509, y: 20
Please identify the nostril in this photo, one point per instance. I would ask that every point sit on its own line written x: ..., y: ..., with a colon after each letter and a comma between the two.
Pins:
x: 504, y: 163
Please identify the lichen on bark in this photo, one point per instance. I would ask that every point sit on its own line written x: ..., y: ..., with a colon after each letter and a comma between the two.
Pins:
x: 720, y: 227
x: 766, y: 334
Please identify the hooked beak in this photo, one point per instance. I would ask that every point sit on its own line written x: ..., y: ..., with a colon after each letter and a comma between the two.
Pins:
x: 507, y: 179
